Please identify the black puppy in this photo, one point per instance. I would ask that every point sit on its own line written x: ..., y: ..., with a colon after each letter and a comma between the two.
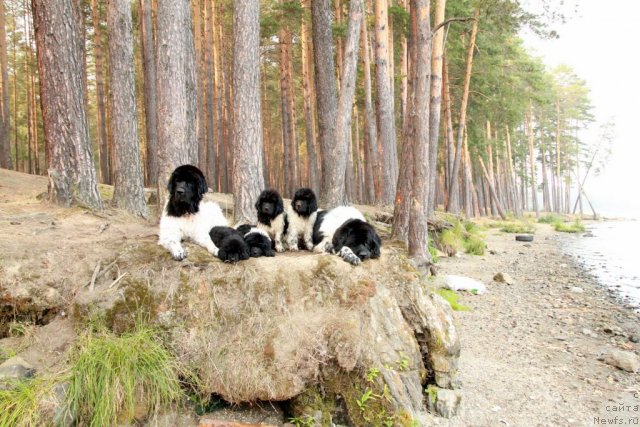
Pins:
x: 257, y: 239
x: 271, y: 217
x: 232, y: 246
x: 302, y: 215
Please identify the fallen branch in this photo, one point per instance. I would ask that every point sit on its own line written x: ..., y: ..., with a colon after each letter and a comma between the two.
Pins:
x: 98, y: 275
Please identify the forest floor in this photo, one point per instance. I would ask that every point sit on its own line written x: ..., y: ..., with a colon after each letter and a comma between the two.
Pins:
x: 530, y: 350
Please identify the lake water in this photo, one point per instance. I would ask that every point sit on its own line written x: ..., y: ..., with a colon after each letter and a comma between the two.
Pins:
x: 611, y: 256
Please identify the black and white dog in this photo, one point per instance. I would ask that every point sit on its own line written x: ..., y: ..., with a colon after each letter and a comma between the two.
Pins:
x: 257, y: 239
x: 345, y: 232
x: 231, y: 244
x: 302, y: 216
x: 185, y: 215
x: 272, y: 218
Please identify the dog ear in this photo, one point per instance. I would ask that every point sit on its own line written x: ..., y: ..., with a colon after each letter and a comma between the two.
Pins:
x: 172, y: 182
x: 375, y: 244
x: 257, y: 205
x: 338, y: 241
x: 313, y: 203
x: 279, y: 205
x: 201, y: 184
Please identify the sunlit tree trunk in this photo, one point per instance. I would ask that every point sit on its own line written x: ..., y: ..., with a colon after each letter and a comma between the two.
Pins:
x: 211, y: 122
x: 371, y: 135
x: 309, y: 105
x: 150, y: 94
x: 60, y: 49
x: 532, y: 161
x: 5, y: 124
x: 105, y: 172
x: 454, y: 204
x: 247, y: 162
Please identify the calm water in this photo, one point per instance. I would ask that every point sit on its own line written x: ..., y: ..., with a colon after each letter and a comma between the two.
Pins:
x: 611, y: 256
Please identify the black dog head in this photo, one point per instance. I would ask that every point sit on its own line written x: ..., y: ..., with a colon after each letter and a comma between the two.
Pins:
x: 233, y: 248
x: 187, y: 185
x: 304, y: 202
x: 360, y: 237
x: 259, y: 244
x: 269, y: 206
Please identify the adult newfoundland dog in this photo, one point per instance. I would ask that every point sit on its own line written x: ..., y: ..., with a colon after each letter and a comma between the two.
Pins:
x: 302, y: 216
x: 257, y: 239
x: 345, y: 232
x: 185, y: 215
x: 272, y: 218
x: 231, y: 244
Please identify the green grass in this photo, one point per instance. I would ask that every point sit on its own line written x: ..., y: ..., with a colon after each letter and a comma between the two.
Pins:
x: 114, y: 378
x: 452, y: 298
x: 474, y: 245
x: 518, y: 227
x: 449, y: 241
x: 19, y: 403
x: 575, y: 227
x: 549, y: 219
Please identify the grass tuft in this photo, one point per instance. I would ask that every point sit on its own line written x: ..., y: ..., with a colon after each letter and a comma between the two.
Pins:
x: 117, y: 378
x: 452, y: 298
x: 518, y: 227
x: 576, y: 227
x: 19, y: 403
x: 474, y: 245
x: 549, y: 219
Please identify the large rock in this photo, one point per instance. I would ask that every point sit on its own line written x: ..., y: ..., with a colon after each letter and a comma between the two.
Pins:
x: 15, y: 368
x: 624, y: 360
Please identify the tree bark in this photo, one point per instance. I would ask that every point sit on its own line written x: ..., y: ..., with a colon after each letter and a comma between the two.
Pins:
x: 309, y: 105
x: 492, y: 190
x: 532, y: 162
x: 177, y: 140
x: 326, y: 98
x: 5, y: 124
x: 129, y: 184
x: 247, y: 138
x: 60, y: 54
x: 418, y: 228
x: 150, y: 93
x: 454, y: 204
x: 101, y: 123
x: 371, y: 134
x: 211, y: 121
x: 436, y: 101
x: 386, y: 131
x: 335, y: 190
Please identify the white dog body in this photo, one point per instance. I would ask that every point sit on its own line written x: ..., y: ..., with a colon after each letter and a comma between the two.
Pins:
x: 300, y: 228
x: 193, y: 226
x: 275, y: 230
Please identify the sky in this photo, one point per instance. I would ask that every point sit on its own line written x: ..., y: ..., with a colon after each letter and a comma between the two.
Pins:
x: 600, y: 42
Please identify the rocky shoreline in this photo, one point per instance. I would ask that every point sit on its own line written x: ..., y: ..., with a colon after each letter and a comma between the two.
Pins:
x: 539, y: 351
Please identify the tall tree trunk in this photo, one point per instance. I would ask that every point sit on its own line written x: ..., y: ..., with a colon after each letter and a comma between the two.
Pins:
x: 492, y: 191
x: 512, y: 175
x: 532, y: 162
x: 72, y: 176
x: 177, y: 140
x: 196, y: 10
x: 386, y: 131
x: 545, y: 180
x: 371, y: 134
x: 5, y: 124
x: 129, y: 183
x: 335, y: 178
x: 284, y: 37
x: 309, y: 105
x: 418, y: 229
x: 454, y: 204
x: 211, y: 122
x: 105, y: 171
x: 327, y: 102
x: 449, y: 142
x: 558, y: 201
x: 150, y: 93
x: 404, y: 70
x: 247, y: 138
x: 436, y: 101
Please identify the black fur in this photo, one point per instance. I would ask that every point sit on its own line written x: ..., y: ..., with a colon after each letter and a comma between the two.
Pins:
x: 259, y: 244
x: 360, y: 237
x: 269, y: 205
x: 304, y: 202
x: 187, y: 185
x: 231, y: 244
x: 317, y: 236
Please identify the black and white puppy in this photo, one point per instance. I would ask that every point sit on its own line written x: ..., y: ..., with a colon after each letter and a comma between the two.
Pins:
x: 302, y: 216
x: 257, y: 239
x: 272, y: 218
x: 345, y: 232
x: 185, y: 215
x: 231, y: 244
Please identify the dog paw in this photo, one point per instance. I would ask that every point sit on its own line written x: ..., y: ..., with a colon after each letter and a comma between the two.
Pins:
x: 293, y: 248
x: 279, y: 247
x: 349, y: 256
x: 328, y: 247
x: 179, y: 254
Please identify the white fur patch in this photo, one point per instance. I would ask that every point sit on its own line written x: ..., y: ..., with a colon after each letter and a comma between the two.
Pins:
x: 300, y: 228
x: 259, y: 231
x: 275, y: 230
x: 195, y: 227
